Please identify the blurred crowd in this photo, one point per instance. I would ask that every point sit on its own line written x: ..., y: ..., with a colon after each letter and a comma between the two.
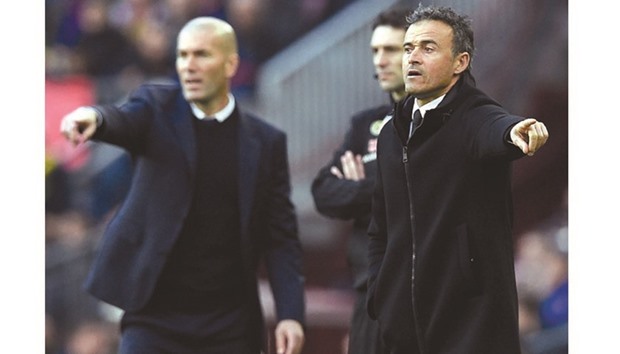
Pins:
x: 120, y: 43
x: 541, y: 270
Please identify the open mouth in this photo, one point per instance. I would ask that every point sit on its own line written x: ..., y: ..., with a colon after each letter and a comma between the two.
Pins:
x: 413, y: 73
x: 192, y: 83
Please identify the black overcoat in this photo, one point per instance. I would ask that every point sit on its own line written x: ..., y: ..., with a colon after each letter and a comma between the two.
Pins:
x: 441, y: 258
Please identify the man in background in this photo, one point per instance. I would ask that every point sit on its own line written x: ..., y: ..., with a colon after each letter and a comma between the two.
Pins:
x: 343, y: 187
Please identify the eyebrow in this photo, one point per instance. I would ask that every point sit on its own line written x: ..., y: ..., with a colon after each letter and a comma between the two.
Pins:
x: 198, y: 51
x: 421, y: 43
x: 392, y: 45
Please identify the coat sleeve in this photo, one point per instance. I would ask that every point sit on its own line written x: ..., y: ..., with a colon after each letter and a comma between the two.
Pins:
x: 283, y: 252
x: 126, y: 125
x: 341, y: 198
x: 487, y: 131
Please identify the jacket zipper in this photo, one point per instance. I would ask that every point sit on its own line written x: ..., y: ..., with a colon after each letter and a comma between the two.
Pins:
x: 413, y: 251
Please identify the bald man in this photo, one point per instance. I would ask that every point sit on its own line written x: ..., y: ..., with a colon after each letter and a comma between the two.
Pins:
x: 209, y: 200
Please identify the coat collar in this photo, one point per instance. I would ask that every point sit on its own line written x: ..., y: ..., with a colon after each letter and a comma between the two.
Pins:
x: 249, y: 156
x: 454, y: 97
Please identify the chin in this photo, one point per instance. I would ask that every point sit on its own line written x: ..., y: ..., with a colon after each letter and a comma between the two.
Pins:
x: 410, y: 91
x: 192, y: 96
x: 385, y: 86
x: 414, y: 90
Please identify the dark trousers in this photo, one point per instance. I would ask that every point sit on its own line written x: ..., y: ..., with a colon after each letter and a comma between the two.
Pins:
x: 364, y: 337
x: 144, y: 340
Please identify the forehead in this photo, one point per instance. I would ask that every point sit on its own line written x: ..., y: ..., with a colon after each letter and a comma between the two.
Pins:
x: 197, y: 38
x: 387, y: 36
x: 429, y: 30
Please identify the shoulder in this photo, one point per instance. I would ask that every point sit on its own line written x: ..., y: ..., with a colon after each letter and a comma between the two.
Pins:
x: 258, y: 125
x: 161, y: 92
x: 470, y: 97
x: 370, y: 115
x: 479, y: 104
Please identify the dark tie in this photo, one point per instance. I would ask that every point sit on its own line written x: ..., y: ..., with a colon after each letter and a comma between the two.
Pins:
x: 416, y: 121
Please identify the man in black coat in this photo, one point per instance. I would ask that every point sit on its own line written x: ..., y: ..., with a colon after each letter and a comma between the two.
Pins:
x: 209, y: 198
x: 441, y: 273
x: 343, y: 188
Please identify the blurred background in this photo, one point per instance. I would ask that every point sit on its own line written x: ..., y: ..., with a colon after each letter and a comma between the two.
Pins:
x: 306, y: 67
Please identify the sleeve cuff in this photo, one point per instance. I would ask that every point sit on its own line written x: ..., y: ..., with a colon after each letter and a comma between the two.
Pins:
x: 99, y: 118
x: 507, y: 137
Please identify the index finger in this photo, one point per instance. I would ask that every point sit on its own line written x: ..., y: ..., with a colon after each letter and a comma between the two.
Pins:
x: 69, y: 130
x: 528, y: 122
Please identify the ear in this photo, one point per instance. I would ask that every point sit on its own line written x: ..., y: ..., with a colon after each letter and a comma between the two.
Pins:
x: 461, y: 62
x: 232, y: 64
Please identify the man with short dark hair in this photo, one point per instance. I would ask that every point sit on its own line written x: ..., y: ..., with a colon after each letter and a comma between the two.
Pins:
x: 441, y: 273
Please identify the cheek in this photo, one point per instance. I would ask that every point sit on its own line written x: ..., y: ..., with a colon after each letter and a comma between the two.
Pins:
x: 441, y: 72
x: 375, y: 60
x: 396, y: 63
x: 210, y: 74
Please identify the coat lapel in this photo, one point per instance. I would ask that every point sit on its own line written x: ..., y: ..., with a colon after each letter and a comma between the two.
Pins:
x: 249, y: 154
x: 182, y: 123
x: 249, y: 151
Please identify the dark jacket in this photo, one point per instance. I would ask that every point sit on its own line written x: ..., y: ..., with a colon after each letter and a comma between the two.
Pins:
x: 441, y: 274
x: 155, y: 127
x: 351, y: 200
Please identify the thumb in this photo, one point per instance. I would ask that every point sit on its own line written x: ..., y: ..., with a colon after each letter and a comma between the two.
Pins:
x: 280, y: 342
x: 88, y: 132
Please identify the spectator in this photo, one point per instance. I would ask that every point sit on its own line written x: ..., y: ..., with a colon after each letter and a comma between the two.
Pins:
x: 541, y: 267
x: 104, y: 52
x: 69, y: 242
x: 155, y: 53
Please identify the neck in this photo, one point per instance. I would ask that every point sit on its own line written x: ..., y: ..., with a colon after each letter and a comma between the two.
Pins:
x: 212, y: 106
x: 398, y: 95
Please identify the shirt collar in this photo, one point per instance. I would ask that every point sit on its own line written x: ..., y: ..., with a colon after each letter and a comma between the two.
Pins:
x: 221, y: 115
x: 427, y: 107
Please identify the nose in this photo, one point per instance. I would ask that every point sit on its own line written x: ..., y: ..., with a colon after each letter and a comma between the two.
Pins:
x: 185, y: 63
x: 412, y: 56
x: 189, y: 63
x: 380, y: 59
